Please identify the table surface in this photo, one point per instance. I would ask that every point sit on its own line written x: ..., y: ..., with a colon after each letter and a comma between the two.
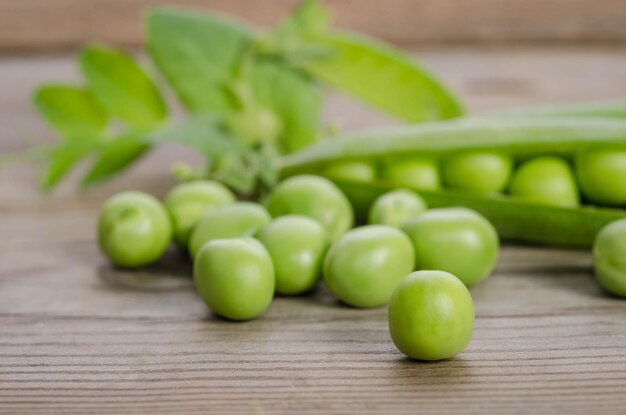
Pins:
x: 77, y: 336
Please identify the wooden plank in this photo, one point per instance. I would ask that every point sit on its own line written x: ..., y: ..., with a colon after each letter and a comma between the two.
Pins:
x: 77, y: 336
x: 62, y: 24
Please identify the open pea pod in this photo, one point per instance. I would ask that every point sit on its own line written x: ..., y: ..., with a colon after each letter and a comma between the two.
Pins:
x: 515, y: 219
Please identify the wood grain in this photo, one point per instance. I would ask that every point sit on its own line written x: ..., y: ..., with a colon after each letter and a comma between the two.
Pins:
x: 63, y: 24
x: 79, y: 337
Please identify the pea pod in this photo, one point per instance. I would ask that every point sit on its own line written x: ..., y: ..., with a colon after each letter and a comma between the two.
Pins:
x: 514, y: 219
x: 520, y: 137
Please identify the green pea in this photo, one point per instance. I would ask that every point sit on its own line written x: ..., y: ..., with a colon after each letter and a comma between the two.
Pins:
x: 602, y: 176
x: 545, y: 180
x: 482, y: 172
x: 609, y: 257
x: 395, y: 208
x: 315, y: 197
x: 431, y: 316
x: 189, y: 202
x: 456, y: 240
x: 297, y: 245
x: 235, y: 277
x: 364, y: 266
x: 229, y: 221
x: 134, y: 229
x: 419, y: 173
x: 357, y: 171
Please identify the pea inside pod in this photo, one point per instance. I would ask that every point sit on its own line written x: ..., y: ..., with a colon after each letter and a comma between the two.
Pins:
x: 360, y: 171
x: 418, y: 173
x: 484, y: 172
x: 602, y: 176
x: 546, y: 180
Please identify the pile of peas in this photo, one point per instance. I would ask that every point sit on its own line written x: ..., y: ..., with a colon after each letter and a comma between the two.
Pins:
x: 417, y: 260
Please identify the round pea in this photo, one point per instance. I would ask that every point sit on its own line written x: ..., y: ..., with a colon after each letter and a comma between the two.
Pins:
x: 395, y: 208
x: 315, y: 197
x: 602, y: 176
x: 357, y: 171
x: 456, y: 240
x: 431, y: 315
x: 609, y: 257
x: 297, y: 245
x: 134, y: 229
x: 229, y: 221
x: 235, y: 277
x: 189, y: 202
x: 482, y: 172
x: 364, y: 266
x: 419, y: 173
x: 546, y: 180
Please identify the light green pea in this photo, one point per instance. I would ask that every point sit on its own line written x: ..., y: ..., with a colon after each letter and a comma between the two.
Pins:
x: 481, y: 172
x: 431, y: 316
x: 418, y: 173
x: 189, y: 202
x: 396, y: 207
x: 602, y: 176
x: 609, y: 257
x: 229, y: 221
x: 545, y: 180
x: 134, y: 229
x: 297, y: 245
x: 356, y: 171
x: 456, y: 240
x: 235, y: 277
x: 363, y: 267
x: 315, y: 197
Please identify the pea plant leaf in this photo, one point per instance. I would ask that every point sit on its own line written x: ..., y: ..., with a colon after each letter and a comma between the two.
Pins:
x: 61, y: 159
x: 201, y: 132
x: 70, y: 110
x: 384, y: 78
x: 114, y: 157
x: 294, y: 97
x: 122, y: 87
x: 198, y: 54
x: 378, y: 74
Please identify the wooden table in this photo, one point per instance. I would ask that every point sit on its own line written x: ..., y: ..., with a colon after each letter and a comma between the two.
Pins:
x: 77, y: 336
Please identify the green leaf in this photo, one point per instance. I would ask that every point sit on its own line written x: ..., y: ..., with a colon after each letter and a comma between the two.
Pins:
x: 122, y: 87
x: 64, y: 157
x: 295, y: 98
x: 198, y: 53
x: 383, y: 77
x: 116, y: 156
x: 202, y: 133
x: 70, y: 110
